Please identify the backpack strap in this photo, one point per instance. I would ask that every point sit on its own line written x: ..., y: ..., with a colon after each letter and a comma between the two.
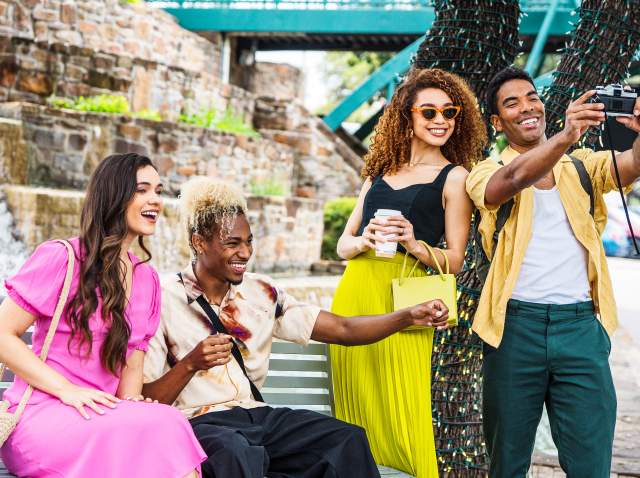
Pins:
x: 503, y: 215
x: 504, y: 211
x: 585, y: 181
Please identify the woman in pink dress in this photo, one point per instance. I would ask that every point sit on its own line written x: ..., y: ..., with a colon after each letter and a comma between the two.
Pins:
x: 86, y: 417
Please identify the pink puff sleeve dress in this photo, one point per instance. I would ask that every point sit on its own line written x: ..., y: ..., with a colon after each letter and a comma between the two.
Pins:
x: 135, y: 439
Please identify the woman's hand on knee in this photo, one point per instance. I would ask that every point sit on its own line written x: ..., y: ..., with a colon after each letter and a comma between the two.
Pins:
x: 81, y: 397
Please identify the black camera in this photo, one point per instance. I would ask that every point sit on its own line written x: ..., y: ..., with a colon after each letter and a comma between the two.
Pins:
x: 617, y: 101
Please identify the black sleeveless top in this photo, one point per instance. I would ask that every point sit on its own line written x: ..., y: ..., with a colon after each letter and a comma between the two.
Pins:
x: 421, y: 204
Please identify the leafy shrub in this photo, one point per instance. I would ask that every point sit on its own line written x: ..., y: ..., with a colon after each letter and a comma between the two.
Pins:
x: 336, y: 215
x: 269, y: 187
x: 231, y: 123
x: 227, y: 122
x: 113, y: 104
x: 151, y: 115
x: 204, y: 119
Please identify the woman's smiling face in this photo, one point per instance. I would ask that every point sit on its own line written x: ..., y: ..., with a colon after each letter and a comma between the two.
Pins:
x: 438, y: 130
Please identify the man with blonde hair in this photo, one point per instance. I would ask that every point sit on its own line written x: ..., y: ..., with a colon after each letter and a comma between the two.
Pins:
x: 211, y: 352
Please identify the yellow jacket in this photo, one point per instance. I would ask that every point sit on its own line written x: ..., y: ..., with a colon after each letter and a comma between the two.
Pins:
x: 514, y: 237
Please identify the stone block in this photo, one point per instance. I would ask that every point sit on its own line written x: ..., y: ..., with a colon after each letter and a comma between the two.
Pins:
x: 167, y: 143
x: 13, y: 152
x: 100, y: 79
x: 40, y: 12
x: 123, y: 146
x: 67, y: 36
x: 35, y: 82
x: 130, y: 131
x: 104, y: 62
x: 77, y: 142
x: 186, y: 171
x: 87, y: 27
x: 74, y: 72
x: 8, y: 72
x: 48, y: 139
x: 68, y: 13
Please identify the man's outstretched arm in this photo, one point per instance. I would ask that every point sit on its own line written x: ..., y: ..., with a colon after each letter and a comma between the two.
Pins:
x: 361, y: 330
x: 531, y: 166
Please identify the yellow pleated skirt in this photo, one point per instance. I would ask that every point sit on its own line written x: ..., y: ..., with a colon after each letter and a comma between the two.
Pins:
x: 385, y: 387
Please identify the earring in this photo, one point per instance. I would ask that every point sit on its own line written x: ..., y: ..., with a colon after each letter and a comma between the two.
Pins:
x: 411, y: 133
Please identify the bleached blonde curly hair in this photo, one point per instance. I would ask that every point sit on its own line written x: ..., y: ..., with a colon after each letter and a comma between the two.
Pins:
x: 207, y: 204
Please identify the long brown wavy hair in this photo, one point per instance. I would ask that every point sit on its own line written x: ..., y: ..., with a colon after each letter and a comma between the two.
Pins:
x: 391, y: 145
x: 103, y: 228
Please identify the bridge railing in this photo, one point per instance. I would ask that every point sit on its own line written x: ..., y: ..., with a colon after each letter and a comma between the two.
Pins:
x: 295, y: 4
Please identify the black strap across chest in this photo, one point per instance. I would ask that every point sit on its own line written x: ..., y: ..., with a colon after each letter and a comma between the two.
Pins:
x: 221, y: 329
x: 235, y: 351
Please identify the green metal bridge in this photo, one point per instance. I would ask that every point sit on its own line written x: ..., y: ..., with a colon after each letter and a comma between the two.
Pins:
x: 357, y: 25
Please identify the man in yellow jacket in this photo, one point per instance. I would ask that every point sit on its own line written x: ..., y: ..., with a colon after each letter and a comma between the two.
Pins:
x: 547, y: 309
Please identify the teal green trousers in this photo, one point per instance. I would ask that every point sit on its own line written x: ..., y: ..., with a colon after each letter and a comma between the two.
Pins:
x: 556, y: 355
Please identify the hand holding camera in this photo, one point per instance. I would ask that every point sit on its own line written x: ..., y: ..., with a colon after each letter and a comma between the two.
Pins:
x: 621, y: 103
x: 582, y: 114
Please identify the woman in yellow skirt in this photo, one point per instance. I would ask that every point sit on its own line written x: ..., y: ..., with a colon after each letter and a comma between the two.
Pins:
x: 426, y: 140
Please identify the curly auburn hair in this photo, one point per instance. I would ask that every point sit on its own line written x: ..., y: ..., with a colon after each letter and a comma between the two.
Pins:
x: 391, y: 145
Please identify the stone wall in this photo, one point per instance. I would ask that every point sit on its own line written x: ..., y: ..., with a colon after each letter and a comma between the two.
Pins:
x: 41, y: 214
x: 276, y: 80
x: 110, y: 26
x: 66, y: 48
x: 326, y: 167
x: 32, y: 71
x: 60, y: 148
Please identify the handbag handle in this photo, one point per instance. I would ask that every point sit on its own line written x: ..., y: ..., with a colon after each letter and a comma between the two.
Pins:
x: 431, y: 251
x: 62, y: 301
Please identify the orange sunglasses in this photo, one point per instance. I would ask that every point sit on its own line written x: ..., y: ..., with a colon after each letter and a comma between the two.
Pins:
x: 430, y: 112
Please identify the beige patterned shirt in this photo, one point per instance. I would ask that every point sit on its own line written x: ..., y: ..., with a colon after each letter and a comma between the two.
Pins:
x: 253, y: 312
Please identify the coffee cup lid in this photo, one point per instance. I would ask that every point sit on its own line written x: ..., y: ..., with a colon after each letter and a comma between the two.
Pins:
x: 388, y: 212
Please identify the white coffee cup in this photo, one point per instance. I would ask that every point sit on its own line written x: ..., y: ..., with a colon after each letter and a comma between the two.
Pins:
x: 386, y: 249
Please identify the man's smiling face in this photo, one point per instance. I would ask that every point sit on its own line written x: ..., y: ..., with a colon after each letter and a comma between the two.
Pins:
x: 520, y: 115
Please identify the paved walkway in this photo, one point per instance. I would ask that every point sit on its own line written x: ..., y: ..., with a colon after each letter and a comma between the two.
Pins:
x: 625, y: 360
x: 625, y: 364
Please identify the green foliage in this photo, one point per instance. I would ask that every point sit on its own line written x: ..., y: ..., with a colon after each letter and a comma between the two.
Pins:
x: 112, y: 104
x: 227, y: 122
x: 336, y: 215
x: 346, y: 71
x: 231, y: 123
x: 204, y: 119
x: 151, y: 115
x: 268, y: 187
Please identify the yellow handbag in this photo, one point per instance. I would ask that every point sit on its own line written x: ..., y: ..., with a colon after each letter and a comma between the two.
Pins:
x: 409, y: 291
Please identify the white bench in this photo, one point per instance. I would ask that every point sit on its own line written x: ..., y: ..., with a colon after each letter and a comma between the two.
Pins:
x: 299, y: 377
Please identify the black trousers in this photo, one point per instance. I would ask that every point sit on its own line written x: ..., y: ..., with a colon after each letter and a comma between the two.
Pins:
x: 282, y: 443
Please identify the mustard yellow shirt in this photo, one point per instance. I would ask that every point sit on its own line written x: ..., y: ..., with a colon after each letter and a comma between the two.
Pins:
x: 514, y: 237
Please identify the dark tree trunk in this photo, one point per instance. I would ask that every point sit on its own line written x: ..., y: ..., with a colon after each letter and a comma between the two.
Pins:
x: 474, y: 39
x: 599, y: 52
